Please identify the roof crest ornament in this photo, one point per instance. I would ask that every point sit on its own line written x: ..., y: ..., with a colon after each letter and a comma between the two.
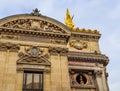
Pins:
x: 36, y: 12
x: 69, y: 23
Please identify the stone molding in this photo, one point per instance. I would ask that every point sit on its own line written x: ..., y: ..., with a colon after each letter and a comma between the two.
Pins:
x: 34, y: 58
x: 88, y: 57
x: 85, y: 36
x: 21, y: 34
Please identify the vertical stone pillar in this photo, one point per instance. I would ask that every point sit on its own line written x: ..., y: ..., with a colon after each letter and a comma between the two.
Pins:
x: 10, y: 72
x: 65, y: 73
x: 8, y: 66
x: 104, y: 80
x: 19, y: 81
x: 3, y: 56
x: 47, y: 82
x: 59, y: 70
x: 55, y: 73
x: 98, y: 74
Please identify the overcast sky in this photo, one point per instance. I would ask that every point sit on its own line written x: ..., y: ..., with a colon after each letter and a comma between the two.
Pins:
x: 103, y: 15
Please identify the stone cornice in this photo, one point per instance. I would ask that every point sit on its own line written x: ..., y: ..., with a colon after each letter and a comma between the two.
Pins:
x: 88, y: 57
x: 31, y: 32
x: 86, y: 36
x: 23, y: 32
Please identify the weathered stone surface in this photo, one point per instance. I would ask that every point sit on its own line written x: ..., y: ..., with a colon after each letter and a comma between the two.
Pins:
x: 36, y: 43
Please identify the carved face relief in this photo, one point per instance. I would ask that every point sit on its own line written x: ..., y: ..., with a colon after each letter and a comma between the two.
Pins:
x: 77, y: 44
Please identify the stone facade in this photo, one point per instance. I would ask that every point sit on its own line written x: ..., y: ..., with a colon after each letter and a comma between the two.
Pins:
x: 69, y: 60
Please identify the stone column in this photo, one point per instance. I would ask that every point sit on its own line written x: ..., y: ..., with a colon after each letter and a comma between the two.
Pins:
x: 3, y: 57
x: 104, y: 80
x: 59, y: 70
x: 19, y: 81
x: 55, y: 73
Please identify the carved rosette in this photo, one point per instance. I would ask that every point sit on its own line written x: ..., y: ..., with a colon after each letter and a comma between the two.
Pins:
x: 9, y: 47
x: 77, y: 44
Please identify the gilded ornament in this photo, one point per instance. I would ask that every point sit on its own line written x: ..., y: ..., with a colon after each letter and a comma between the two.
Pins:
x: 68, y: 20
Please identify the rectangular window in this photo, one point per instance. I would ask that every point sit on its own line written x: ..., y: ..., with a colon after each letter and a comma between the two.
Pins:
x: 33, y: 81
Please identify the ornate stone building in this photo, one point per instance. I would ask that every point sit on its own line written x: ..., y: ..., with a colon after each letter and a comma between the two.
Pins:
x: 38, y: 53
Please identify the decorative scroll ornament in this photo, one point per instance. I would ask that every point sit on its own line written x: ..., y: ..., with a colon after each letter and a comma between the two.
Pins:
x: 77, y: 44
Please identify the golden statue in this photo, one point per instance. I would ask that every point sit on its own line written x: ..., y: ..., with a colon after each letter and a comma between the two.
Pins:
x: 68, y: 20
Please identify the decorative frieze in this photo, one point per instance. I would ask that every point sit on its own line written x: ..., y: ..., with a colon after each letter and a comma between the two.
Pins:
x: 9, y: 36
x: 33, y: 24
x: 85, y: 37
x: 36, y: 36
x: 58, y: 50
x: 9, y: 47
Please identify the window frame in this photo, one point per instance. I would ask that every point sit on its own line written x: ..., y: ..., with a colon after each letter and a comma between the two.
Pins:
x: 41, y: 88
